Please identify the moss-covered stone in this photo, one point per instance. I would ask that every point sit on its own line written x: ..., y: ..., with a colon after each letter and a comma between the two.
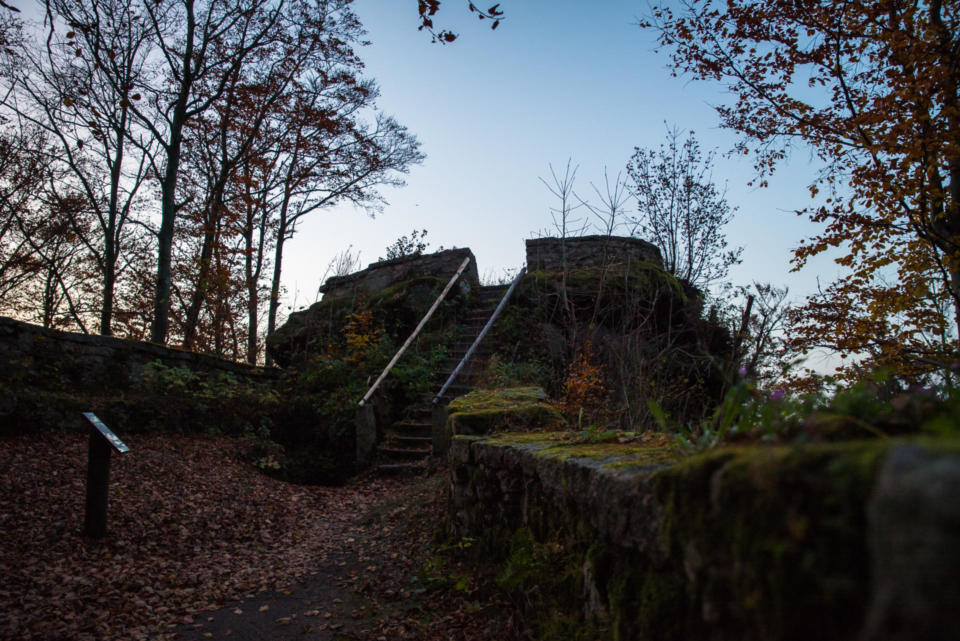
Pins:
x: 488, y: 411
x: 744, y: 543
x: 612, y: 450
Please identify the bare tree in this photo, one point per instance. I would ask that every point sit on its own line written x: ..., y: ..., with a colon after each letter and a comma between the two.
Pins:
x: 566, y: 225
x: 201, y: 46
x: 612, y: 203
x: 563, y: 189
x: 23, y: 165
x: 327, y: 164
x: 766, y: 345
x: 681, y: 210
x: 78, y: 88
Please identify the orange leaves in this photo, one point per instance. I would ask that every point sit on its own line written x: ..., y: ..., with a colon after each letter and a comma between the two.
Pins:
x: 872, y: 87
x: 361, y: 336
x: 584, y: 396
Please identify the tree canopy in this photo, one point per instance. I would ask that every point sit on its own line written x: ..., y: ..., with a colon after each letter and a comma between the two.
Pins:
x: 171, y: 148
x: 872, y: 87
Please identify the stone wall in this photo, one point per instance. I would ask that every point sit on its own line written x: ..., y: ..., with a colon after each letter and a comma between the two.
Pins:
x: 841, y: 541
x: 588, y: 251
x: 84, y: 361
x: 47, y: 377
x: 377, y: 276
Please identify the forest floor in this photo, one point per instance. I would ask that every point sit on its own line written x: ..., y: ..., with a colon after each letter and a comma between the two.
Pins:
x: 201, y: 545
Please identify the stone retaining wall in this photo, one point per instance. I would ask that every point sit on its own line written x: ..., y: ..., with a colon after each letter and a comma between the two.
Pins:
x: 29, y: 352
x: 588, y: 251
x: 836, y: 541
x: 48, y: 377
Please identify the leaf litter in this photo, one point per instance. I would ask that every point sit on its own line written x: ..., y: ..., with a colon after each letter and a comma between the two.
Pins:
x: 197, y: 534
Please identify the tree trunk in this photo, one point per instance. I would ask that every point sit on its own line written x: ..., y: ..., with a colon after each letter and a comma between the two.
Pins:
x: 199, y: 294
x: 168, y: 189
x: 109, y: 283
x: 277, y: 265
x: 275, y: 289
x: 111, y: 237
x: 251, y: 276
x: 253, y: 302
x: 952, y: 225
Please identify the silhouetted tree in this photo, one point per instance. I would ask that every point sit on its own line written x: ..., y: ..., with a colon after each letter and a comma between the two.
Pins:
x: 681, y: 211
x: 874, y: 89
x: 77, y: 87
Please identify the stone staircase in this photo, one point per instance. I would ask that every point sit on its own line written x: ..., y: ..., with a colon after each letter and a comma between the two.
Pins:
x: 408, y: 444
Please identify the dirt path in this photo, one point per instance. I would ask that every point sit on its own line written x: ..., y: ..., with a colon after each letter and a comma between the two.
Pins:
x: 384, y: 578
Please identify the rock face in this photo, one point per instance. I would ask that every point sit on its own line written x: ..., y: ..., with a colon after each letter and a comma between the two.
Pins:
x: 645, y: 328
x: 547, y: 254
x: 407, y: 286
x: 842, y: 541
x: 377, y: 276
x: 914, y: 538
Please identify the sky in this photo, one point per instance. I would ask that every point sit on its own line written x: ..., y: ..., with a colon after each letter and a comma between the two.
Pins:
x: 557, y: 80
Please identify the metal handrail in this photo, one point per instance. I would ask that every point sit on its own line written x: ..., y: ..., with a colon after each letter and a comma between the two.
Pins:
x: 403, y: 348
x: 483, y: 332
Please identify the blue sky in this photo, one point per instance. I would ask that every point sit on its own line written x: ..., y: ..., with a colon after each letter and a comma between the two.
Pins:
x: 556, y: 80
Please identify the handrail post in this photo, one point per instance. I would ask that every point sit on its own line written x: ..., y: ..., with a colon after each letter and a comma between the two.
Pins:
x: 480, y: 336
x: 416, y: 332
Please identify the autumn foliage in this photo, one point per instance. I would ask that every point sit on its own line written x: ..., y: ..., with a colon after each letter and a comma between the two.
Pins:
x: 872, y: 88
x: 584, y: 394
x: 360, y: 335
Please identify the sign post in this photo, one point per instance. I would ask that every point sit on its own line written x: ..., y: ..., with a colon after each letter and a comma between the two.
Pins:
x: 102, y: 442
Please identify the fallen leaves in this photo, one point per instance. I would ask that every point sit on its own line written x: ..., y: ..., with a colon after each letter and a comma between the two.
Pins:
x: 191, y: 526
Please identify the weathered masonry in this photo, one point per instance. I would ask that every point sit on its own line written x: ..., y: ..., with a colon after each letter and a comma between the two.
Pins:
x: 853, y: 540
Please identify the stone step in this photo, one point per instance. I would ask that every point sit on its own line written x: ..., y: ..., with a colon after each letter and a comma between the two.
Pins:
x: 412, y: 428
x: 397, y: 453
x: 416, y: 468
x: 412, y: 441
x: 420, y: 414
x: 489, y: 289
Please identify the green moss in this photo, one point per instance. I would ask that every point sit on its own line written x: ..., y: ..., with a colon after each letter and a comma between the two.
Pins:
x: 546, y: 439
x: 546, y: 580
x: 488, y: 411
x: 421, y: 287
x: 752, y: 543
x: 505, y: 398
x: 613, y: 455
x: 619, y: 452
x: 634, y: 274
x: 780, y: 522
